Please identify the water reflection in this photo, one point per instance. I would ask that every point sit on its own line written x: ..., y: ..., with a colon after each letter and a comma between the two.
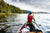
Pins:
x: 11, y: 25
x: 3, y: 18
x: 6, y: 22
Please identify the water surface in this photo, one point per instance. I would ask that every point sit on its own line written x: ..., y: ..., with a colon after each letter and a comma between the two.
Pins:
x: 16, y: 21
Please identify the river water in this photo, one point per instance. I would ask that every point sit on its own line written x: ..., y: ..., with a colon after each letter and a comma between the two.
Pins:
x: 16, y: 21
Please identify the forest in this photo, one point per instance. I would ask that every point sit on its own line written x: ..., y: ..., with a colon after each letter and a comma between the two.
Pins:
x: 6, y: 8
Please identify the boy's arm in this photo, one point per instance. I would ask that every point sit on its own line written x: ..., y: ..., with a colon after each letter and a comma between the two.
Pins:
x: 33, y: 19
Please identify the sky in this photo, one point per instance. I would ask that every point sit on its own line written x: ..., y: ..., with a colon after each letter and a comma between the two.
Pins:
x: 33, y: 5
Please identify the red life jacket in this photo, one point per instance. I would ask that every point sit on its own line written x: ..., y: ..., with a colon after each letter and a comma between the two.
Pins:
x: 30, y: 19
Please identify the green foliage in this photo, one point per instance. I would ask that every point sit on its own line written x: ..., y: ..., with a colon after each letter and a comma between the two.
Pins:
x: 6, y: 8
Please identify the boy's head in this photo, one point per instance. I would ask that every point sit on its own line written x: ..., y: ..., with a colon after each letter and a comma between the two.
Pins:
x: 30, y: 12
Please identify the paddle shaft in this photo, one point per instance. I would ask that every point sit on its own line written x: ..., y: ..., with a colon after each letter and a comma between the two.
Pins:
x: 37, y: 25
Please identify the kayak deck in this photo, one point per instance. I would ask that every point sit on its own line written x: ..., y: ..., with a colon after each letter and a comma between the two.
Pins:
x: 34, y: 31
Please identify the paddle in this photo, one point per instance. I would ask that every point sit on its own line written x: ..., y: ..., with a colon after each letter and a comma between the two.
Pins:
x: 37, y: 25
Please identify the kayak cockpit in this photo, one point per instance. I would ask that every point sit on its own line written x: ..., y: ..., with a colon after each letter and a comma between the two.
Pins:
x: 34, y: 31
